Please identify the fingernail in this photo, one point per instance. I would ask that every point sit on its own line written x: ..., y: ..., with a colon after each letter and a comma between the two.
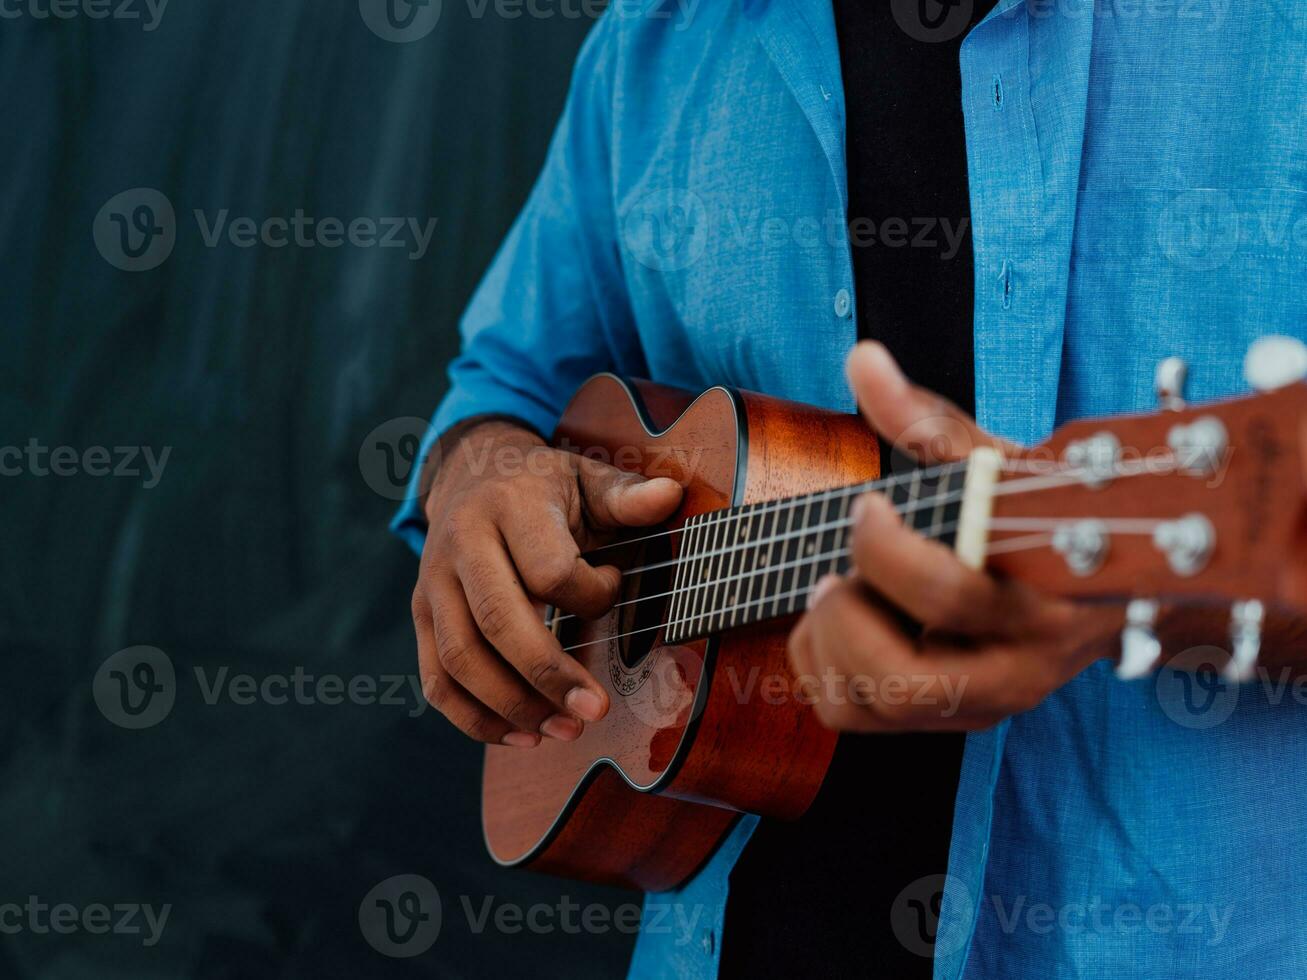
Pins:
x: 521, y: 740
x: 584, y: 704
x: 878, y: 359
x: 879, y: 353
x: 824, y: 585
x: 561, y: 727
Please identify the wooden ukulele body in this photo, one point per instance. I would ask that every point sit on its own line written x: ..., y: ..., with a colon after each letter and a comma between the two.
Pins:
x: 696, y: 733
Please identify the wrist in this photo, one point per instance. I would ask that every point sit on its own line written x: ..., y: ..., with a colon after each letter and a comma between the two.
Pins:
x: 466, y: 442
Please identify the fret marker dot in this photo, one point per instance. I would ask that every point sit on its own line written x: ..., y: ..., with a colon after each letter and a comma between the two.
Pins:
x: 811, y: 547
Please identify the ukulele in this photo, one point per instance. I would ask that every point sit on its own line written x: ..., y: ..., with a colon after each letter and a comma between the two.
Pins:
x: 1192, y: 519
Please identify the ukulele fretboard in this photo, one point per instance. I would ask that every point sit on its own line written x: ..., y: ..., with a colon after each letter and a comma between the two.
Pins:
x: 759, y: 561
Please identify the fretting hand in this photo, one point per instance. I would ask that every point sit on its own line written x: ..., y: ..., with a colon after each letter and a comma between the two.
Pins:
x: 999, y: 646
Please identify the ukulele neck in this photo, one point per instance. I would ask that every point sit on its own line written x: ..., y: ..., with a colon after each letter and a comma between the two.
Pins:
x: 757, y: 562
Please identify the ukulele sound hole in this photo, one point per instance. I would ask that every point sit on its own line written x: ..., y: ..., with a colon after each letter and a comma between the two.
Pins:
x: 647, y: 568
x: 643, y: 599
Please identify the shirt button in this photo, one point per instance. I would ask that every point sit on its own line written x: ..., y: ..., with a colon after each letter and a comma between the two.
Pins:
x: 843, y: 303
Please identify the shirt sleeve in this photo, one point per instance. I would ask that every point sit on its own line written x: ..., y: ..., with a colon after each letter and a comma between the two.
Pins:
x: 552, y: 309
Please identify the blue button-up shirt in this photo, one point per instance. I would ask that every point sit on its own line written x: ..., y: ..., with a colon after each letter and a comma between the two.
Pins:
x: 1138, y: 180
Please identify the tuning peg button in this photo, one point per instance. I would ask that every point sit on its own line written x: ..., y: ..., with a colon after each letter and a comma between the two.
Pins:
x: 1169, y: 381
x: 1140, y: 648
x: 1275, y: 361
x: 1245, y: 640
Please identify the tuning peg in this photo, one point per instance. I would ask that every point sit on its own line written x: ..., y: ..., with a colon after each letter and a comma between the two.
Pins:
x: 1245, y: 640
x: 1275, y: 361
x: 1140, y: 648
x: 1168, y: 382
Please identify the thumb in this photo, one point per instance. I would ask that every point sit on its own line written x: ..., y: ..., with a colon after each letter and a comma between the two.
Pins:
x: 926, y: 426
x: 614, y: 498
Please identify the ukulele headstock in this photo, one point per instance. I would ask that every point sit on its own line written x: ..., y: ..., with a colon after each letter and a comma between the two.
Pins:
x: 1201, y: 505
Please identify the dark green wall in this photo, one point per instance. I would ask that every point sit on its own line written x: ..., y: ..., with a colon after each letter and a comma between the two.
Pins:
x: 262, y: 548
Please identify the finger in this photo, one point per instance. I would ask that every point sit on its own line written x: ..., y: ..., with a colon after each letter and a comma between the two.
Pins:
x: 933, y: 686
x: 446, y: 696
x: 549, y: 560
x: 923, y: 424
x: 924, y: 578
x: 509, y: 623
x: 484, y: 675
x: 614, y: 498
x: 847, y: 666
x: 799, y: 648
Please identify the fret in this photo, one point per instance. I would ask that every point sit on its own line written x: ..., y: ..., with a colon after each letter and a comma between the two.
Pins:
x: 697, y: 577
x: 731, y: 563
x: 812, y: 553
x: 768, y: 557
x: 737, y: 596
x: 771, y: 583
x: 914, y: 498
x: 937, y: 508
x: 788, y: 551
x: 676, y: 608
x: 901, y: 491
x: 954, y: 485
x: 760, y: 558
x: 722, y: 572
x: 838, y: 539
x: 711, y: 575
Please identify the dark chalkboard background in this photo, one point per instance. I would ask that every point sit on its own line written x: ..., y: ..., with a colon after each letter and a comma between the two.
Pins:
x: 262, y: 547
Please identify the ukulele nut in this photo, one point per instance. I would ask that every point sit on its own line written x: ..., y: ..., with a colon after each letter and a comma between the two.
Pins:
x: 1083, y: 544
x: 1187, y: 543
x: 1199, y: 446
x: 1096, y: 457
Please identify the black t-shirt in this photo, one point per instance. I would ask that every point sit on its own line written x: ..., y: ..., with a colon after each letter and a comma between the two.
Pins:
x: 819, y: 895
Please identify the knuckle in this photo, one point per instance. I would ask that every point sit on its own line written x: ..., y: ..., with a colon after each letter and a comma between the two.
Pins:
x: 481, y: 728
x: 542, y: 672
x: 436, y: 692
x: 554, y: 576
x: 458, y: 532
x: 491, y: 613
x: 502, y: 494
x: 516, y: 710
x: 421, y: 610
x: 457, y: 658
